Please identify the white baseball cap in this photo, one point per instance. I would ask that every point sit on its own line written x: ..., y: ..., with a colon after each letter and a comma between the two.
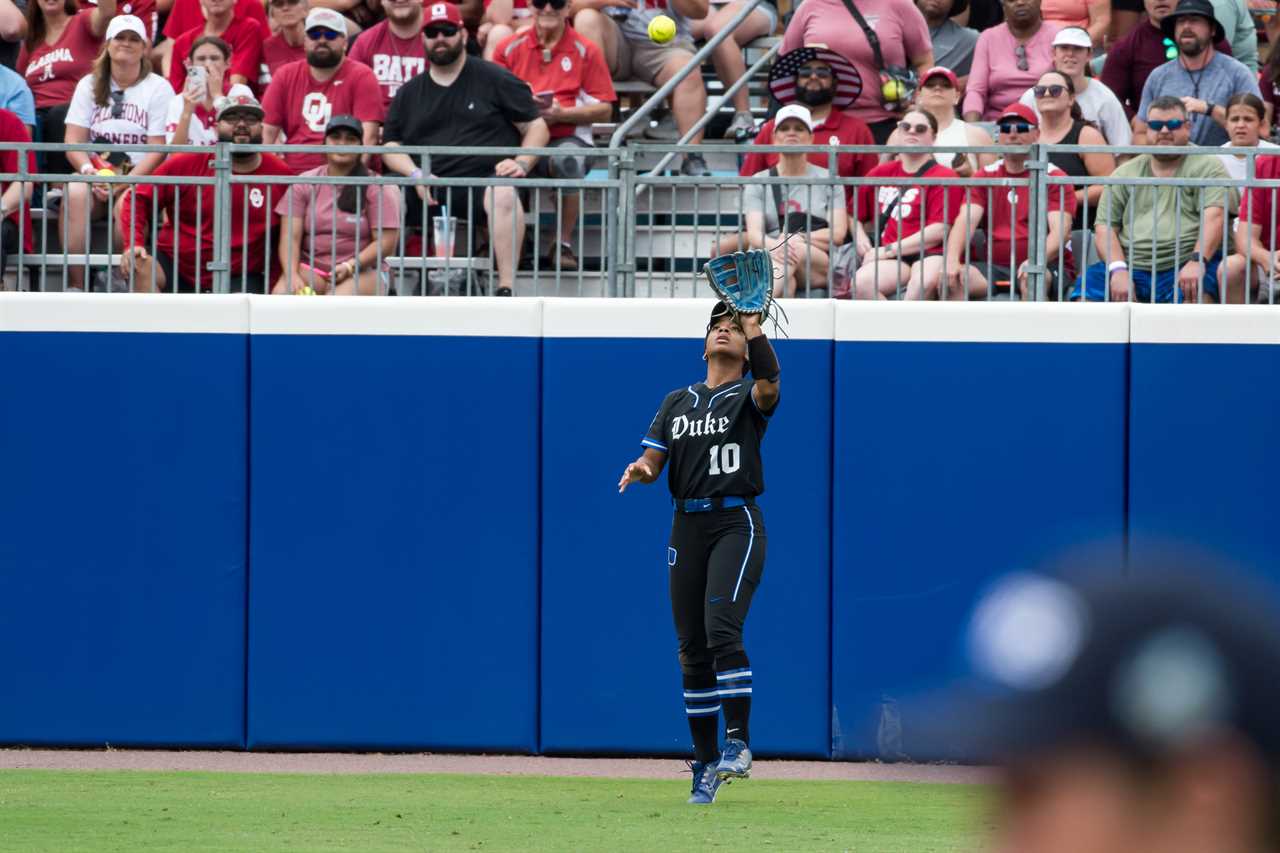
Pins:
x: 1073, y: 37
x: 127, y: 24
x: 328, y: 18
x: 794, y: 111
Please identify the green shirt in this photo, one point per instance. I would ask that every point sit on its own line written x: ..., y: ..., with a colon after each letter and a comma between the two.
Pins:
x: 1162, y: 220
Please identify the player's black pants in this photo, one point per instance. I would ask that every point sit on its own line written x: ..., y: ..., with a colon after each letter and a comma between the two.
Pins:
x: 715, y: 561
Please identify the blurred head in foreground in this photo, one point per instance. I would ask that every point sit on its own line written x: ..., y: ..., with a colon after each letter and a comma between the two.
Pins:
x: 1131, y: 715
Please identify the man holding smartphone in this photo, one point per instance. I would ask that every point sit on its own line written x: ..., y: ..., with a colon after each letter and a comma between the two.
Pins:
x: 570, y: 82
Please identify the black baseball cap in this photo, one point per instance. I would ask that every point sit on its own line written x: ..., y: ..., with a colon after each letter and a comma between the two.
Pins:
x: 1203, y: 8
x: 720, y: 309
x: 344, y: 122
x: 1144, y: 662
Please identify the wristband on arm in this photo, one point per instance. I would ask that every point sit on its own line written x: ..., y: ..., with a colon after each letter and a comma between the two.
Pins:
x: 764, y: 362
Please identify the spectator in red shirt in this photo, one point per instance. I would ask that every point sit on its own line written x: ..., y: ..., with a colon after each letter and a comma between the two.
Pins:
x: 826, y: 84
x: 175, y: 257
x: 62, y: 42
x: 191, y: 119
x: 188, y: 15
x: 305, y: 95
x: 394, y: 48
x: 1258, y: 211
x: 15, y: 196
x: 289, y: 42
x: 570, y: 82
x: 1005, y: 214
x: 245, y: 36
x: 911, y: 221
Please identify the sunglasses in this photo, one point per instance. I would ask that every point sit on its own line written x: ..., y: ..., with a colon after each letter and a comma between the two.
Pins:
x: 819, y: 73
x: 1020, y: 53
x: 117, y: 103
x: 324, y: 34
x: 1170, y: 49
x: 237, y: 119
x: 440, y: 31
x: 917, y: 129
x: 1171, y: 124
x: 1048, y: 91
x: 280, y: 4
x: 1014, y: 127
x: 554, y: 4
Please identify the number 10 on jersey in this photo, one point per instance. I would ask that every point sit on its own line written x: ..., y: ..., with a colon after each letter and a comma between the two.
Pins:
x: 724, y: 458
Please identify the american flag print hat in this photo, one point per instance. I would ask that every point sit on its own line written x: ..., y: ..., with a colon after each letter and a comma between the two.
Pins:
x: 782, y: 77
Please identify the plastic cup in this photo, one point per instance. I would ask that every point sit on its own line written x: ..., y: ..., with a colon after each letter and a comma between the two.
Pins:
x: 443, y: 229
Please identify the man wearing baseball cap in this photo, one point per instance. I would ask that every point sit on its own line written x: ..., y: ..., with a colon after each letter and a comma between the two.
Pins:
x: 176, y: 256
x: 467, y: 102
x: 1129, y: 710
x: 304, y: 95
x: 1201, y: 77
x: 1072, y: 49
x: 1004, y: 213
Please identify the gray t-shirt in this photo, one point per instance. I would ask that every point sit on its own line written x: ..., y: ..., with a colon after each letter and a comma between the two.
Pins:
x: 953, y: 47
x: 813, y: 199
x: 1215, y: 83
x: 1242, y: 35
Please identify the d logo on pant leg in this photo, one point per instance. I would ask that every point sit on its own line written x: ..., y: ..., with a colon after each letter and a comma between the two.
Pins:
x: 671, y: 556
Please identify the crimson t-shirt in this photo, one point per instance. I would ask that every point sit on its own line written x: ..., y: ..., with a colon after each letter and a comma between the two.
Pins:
x: 13, y: 130
x: 251, y: 203
x: 840, y: 128
x: 876, y: 204
x: 53, y: 70
x: 1008, y: 214
x: 577, y: 73
x: 1259, y: 203
x: 301, y: 106
x: 245, y: 37
x: 393, y: 60
x: 187, y: 15
x: 276, y: 53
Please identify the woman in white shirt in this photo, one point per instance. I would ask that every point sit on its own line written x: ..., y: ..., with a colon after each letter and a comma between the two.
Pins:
x: 939, y: 95
x: 1246, y: 121
x: 121, y: 103
x: 190, y: 120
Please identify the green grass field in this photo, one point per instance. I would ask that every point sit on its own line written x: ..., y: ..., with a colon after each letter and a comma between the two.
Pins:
x: 135, y: 811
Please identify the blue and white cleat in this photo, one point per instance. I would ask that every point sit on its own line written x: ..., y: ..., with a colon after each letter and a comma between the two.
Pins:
x: 706, y: 782
x: 735, y: 761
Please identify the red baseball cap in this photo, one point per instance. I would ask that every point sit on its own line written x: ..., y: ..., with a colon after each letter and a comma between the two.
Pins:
x: 443, y: 13
x: 1020, y: 111
x: 943, y: 71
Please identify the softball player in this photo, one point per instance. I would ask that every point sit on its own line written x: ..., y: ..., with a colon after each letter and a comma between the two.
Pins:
x: 710, y: 433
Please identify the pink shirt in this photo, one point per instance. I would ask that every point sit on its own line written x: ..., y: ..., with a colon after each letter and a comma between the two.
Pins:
x: 1066, y: 13
x: 330, y: 243
x: 898, y: 24
x: 995, y: 81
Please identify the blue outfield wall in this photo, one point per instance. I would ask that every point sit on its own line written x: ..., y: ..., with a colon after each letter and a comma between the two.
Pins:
x: 122, y: 522
x: 972, y: 440
x: 393, y: 524
x: 1204, y: 408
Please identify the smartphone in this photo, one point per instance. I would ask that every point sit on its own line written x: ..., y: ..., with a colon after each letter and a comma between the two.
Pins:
x: 198, y: 80
x: 544, y: 99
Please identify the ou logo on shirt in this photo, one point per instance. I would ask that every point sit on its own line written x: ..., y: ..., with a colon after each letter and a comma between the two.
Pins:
x: 255, y: 197
x: 316, y: 111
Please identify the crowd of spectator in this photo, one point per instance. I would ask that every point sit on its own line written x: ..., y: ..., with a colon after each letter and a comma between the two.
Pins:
x: 927, y: 75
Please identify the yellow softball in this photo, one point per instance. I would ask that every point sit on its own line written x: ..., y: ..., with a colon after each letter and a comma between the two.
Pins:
x: 662, y: 29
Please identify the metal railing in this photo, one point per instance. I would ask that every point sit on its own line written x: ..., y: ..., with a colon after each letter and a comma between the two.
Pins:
x: 662, y: 229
